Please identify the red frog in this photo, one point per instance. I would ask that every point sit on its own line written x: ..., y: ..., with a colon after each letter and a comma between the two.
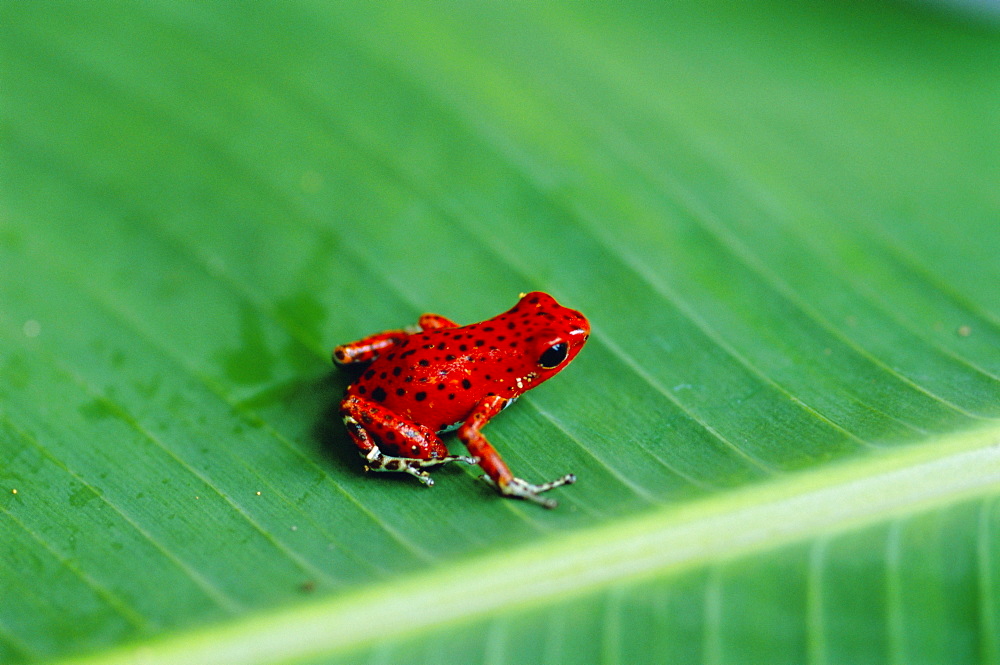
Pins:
x: 442, y: 376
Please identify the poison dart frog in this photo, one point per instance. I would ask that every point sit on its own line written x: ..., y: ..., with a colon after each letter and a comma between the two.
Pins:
x: 440, y: 376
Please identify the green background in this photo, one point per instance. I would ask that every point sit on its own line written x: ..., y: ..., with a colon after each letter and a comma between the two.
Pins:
x: 781, y: 221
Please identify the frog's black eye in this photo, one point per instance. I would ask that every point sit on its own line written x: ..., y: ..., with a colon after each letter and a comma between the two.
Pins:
x: 554, y: 355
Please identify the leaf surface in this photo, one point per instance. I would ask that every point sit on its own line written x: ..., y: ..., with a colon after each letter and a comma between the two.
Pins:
x: 781, y: 225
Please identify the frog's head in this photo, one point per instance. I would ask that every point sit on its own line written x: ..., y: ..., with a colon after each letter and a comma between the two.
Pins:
x: 554, y: 334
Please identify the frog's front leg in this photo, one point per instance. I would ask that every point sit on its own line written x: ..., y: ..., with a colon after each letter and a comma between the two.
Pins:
x: 497, y: 473
x: 390, y: 443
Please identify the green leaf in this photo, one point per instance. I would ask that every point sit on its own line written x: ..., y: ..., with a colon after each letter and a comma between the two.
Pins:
x: 781, y: 222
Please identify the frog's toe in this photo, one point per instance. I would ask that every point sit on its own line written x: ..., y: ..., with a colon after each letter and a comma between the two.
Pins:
x: 420, y: 475
x: 518, y: 488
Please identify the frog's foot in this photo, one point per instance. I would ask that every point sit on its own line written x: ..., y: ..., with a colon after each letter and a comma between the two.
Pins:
x: 376, y: 460
x: 521, y: 489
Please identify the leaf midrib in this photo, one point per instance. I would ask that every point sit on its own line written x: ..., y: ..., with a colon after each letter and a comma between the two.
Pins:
x: 663, y: 540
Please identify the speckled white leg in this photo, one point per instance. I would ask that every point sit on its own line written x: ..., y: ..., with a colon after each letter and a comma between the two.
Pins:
x: 521, y: 489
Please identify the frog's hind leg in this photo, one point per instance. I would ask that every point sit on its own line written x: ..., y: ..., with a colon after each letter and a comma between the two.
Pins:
x: 390, y: 443
x: 435, y: 322
x: 368, y: 348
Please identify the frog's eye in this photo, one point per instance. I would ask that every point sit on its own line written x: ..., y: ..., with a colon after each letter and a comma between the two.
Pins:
x: 554, y: 355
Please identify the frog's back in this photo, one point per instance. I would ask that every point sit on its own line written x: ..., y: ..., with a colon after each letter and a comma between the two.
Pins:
x: 437, y: 377
x: 434, y: 378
